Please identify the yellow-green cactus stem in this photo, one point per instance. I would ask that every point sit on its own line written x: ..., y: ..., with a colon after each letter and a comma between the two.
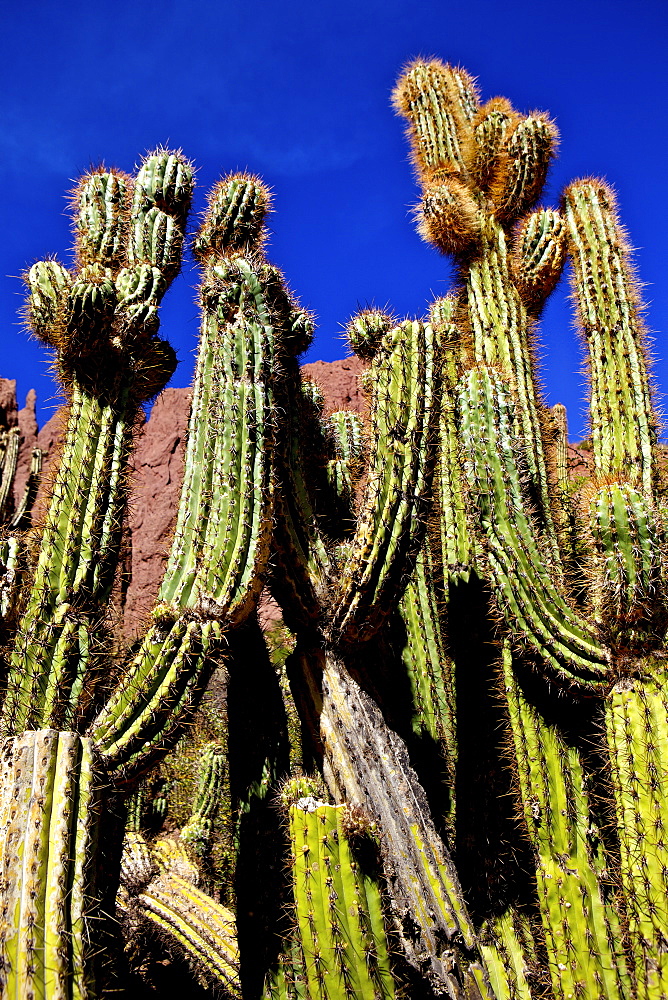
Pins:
x: 48, y: 815
x: 623, y: 425
x: 347, y: 429
x: 532, y: 602
x: 158, y: 886
x: 405, y: 377
x: 203, y: 930
x: 637, y: 735
x: 220, y: 547
x: 583, y: 931
x: 508, y: 945
x: 101, y: 357
x: 448, y: 526
x: 428, y: 665
x: 538, y: 255
x: 627, y: 589
x: 338, y: 909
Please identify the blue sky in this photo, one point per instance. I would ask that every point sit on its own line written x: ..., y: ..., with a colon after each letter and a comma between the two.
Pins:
x: 300, y: 93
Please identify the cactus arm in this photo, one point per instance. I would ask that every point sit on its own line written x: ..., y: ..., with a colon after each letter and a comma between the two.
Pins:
x: 498, y: 327
x: 449, y: 531
x: 582, y: 929
x: 302, y: 560
x: 204, y: 930
x: 163, y: 682
x: 338, y: 909
x: 47, y: 829
x: 158, y: 886
x: 102, y: 356
x: 529, y: 148
x: 538, y: 255
x: 623, y: 425
x: 198, y: 830
x: 501, y: 337
x: 402, y: 421
x: 221, y: 543
x: 532, y: 605
x: 430, y: 669
x: 440, y: 103
x: 637, y: 736
x: 215, y: 555
x: 510, y: 954
x: 343, y: 470
x: 628, y: 586
x: 627, y: 589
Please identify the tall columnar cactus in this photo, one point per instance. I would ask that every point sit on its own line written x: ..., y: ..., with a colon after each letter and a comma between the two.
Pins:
x: 102, y: 321
x: 481, y: 170
x: 339, y: 601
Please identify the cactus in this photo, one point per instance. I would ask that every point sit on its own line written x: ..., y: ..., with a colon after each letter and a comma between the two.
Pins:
x: 102, y: 321
x: 477, y: 645
x: 159, y: 890
x: 481, y: 170
x: 197, y: 831
x: 337, y: 908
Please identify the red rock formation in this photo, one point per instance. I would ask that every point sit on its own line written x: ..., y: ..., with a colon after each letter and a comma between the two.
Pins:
x: 339, y: 383
x: 158, y: 471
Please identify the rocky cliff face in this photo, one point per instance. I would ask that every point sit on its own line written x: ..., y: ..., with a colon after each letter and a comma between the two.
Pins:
x: 157, y: 471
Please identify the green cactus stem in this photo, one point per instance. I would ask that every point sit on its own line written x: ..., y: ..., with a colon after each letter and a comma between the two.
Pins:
x: 338, y: 909
x: 191, y: 920
x: 508, y: 946
x: 637, y: 736
x: 541, y: 618
x: 215, y: 569
x: 623, y: 424
x: 48, y: 816
x: 345, y: 469
x: 404, y: 376
x: 197, y: 831
x: 628, y: 584
x: 428, y: 664
x: 583, y: 931
x: 158, y: 887
x: 449, y: 532
x: 108, y: 358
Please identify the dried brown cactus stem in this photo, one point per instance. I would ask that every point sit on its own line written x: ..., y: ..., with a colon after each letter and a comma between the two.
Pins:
x: 366, y: 764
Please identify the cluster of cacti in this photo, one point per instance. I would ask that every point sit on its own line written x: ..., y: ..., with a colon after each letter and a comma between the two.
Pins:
x: 454, y: 784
